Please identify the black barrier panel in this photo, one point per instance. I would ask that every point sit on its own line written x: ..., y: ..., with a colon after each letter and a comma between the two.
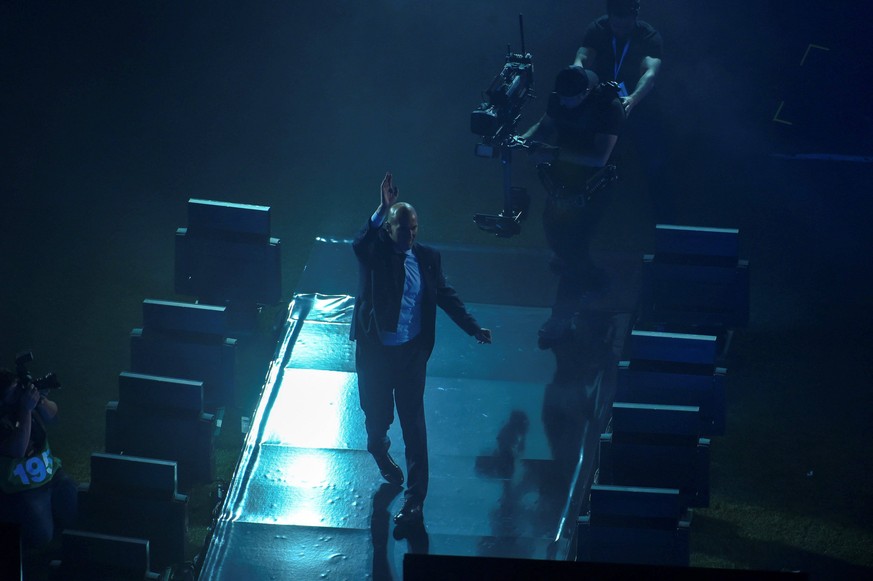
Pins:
x: 97, y: 556
x: 228, y: 217
x: 136, y: 475
x: 656, y: 446
x: 175, y: 317
x: 136, y: 497
x: 153, y: 392
x: 431, y: 567
x: 220, y: 269
x: 673, y: 239
x: 186, y: 439
x: 209, y: 359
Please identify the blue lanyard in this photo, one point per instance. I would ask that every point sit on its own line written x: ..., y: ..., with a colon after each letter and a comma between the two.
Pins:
x: 618, y: 62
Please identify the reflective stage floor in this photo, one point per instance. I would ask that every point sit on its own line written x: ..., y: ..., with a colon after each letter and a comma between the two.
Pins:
x: 513, y: 429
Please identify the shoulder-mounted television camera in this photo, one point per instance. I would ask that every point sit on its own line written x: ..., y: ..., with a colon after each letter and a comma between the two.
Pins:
x: 496, y: 117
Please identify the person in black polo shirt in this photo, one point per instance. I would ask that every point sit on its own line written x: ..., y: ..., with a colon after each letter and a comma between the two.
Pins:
x: 620, y: 47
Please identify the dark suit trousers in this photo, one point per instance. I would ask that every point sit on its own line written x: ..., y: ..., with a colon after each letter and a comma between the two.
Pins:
x: 389, y: 376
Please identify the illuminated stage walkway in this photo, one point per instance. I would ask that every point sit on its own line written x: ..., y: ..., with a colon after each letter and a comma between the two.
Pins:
x: 513, y: 430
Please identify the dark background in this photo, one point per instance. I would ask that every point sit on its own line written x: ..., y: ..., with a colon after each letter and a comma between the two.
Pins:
x: 115, y: 113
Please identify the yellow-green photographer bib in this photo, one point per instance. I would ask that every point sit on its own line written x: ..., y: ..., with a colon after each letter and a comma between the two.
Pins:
x: 20, y: 474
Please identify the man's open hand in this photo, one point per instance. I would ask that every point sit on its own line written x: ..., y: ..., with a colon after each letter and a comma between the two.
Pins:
x: 389, y: 191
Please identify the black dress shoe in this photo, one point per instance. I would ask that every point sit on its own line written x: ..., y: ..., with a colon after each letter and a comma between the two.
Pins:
x: 391, y: 472
x: 410, y: 513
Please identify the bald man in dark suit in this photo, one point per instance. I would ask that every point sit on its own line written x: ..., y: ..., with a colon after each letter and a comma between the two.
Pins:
x: 401, y: 285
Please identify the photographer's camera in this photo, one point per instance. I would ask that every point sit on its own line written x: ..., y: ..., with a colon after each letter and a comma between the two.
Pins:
x: 47, y: 382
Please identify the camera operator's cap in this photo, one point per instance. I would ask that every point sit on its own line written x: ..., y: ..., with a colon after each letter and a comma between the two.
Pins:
x: 575, y: 80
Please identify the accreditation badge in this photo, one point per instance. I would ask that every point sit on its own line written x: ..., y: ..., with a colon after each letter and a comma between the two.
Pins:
x: 622, y: 90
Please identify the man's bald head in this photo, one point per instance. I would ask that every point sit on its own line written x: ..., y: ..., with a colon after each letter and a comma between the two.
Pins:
x: 401, y: 210
x: 402, y: 225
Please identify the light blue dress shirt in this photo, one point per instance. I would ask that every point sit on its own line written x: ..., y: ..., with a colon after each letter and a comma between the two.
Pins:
x: 409, y: 323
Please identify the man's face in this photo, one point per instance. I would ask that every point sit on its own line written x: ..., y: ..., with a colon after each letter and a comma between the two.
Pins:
x: 403, y: 228
x: 622, y: 26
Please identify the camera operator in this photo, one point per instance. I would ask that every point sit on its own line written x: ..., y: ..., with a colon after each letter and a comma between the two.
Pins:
x: 36, y: 493
x: 583, y: 121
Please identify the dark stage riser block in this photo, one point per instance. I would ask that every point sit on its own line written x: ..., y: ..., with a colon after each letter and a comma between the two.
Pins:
x: 681, y: 423
x: 656, y: 446
x: 134, y: 476
x: 666, y: 347
x: 207, y: 358
x: 694, y: 295
x: 681, y: 385
x: 155, y: 393
x: 159, y: 417
x: 181, y: 319
x: 634, y: 525
x: 218, y: 270
x: 90, y: 556
x: 226, y: 254
x: 188, y: 441
x: 678, y: 240
x: 229, y: 218
x: 133, y: 496
x: 695, y: 280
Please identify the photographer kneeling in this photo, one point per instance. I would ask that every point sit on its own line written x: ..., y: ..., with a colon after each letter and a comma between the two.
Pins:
x: 36, y: 493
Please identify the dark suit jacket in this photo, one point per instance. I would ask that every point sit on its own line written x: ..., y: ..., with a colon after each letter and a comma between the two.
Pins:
x: 380, y: 289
